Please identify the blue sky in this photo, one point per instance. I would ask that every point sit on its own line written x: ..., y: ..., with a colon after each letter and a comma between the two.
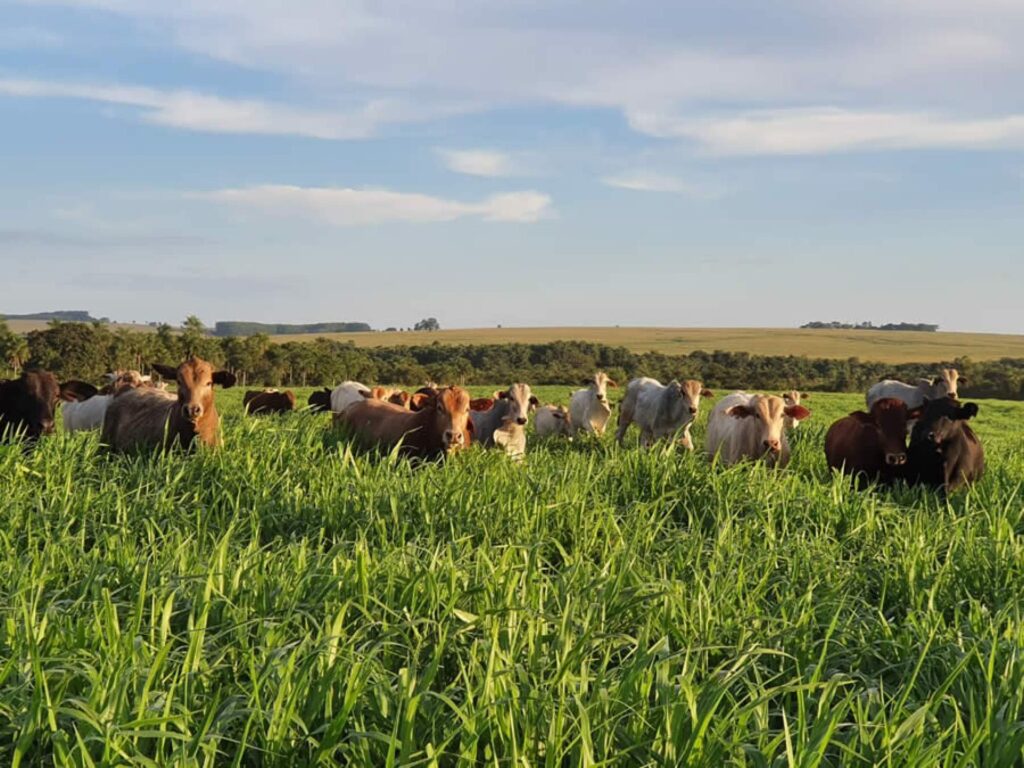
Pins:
x: 518, y: 162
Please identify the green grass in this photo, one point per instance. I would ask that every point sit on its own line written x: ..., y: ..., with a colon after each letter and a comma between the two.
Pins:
x: 283, y: 602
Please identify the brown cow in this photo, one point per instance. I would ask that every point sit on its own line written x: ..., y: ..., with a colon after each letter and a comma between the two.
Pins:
x: 871, y: 446
x: 27, y: 403
x: 439, y: 428
x: 268, y: 401
x: 147, y: 418
x: 481, y: 403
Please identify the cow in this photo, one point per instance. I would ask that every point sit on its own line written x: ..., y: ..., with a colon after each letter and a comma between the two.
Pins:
x: 743, y: 426
x: 553, y: 420
x: 439, y: 429
x: 793, y: 397
x: 480, y: 404
x: 589, y: 409
x: 660, y: 410
x: 27, y: 404
x: 148, y: 418
x: 944, y: 451
x: 914, y: 395
x: 268, y: 401
x: 320, y: 400
x: 86, y: 415
x: 504, y: 423
x: 349, y: 392
x: 871, y: 446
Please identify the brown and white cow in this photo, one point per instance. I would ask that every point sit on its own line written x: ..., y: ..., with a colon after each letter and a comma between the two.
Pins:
x: 268, y: 401
x: 28, y: 403
x: 438, y: 429
x: 148, y: 418
x: 743, y: 426
x: 793, y: 397
x: 871, y: 446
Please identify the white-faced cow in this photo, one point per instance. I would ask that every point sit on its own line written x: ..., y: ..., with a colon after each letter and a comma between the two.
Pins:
x: 552, y: 420
x: 504, y: 423
x: 793, y: 397
x: 661, y: 410
x: 589, y: 409
x: 946, y: 384
x: 743, y: 426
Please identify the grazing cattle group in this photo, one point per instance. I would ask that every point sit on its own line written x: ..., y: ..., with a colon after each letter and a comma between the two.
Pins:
x: 132, y: 411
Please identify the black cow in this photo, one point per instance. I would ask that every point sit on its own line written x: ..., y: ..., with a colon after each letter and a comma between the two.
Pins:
x: 944, y: 451
x: 320, y: 400
x: 27, y: 404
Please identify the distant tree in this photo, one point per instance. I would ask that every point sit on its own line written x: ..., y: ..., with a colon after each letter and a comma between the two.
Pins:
x: 427, y: 324
x: 193, y: 336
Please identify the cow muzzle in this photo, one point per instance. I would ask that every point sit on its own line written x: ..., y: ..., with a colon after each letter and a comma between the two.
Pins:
x: 453, y: 439
x: 773, y: 446
x: 895, y: 459
x: 693, y: 410
x: 192, y: 412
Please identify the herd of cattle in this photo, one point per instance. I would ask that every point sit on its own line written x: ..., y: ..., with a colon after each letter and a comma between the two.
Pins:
x: 133, y: 412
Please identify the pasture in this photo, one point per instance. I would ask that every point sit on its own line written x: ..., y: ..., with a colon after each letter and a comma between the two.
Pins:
x: 283, y: 601
x: 876, y: 346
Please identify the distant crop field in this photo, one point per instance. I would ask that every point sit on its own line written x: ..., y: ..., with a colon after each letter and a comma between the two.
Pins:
x: 880, y: 346
x: 25, y: 326
x: 285, y: 601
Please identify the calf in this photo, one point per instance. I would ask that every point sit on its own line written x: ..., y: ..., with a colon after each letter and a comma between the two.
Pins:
x: 552, y: 420
x: 320, y: 400
x: 27, y: 404
x: 743, y: 426
x: 944, y: 451
x: 504, y: 423
x: 793, y: 397
x: 944, y: 385
x: 589, y: 409
x: 148, y: 418
x: 871, y: 446
x: 660, y: 410
x: 438, y: 429
x: 268, y: 401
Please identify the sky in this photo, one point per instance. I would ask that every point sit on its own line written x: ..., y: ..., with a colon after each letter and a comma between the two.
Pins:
x: 522, y: 162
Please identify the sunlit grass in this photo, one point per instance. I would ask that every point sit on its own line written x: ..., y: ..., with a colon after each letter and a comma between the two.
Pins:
x: 285, y: 602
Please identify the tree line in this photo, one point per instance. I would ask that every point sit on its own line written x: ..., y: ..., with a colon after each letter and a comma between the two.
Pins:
x: 869, y: 326
x: 84, y: 351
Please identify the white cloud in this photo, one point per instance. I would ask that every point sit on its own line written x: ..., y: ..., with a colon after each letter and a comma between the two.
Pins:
x: 646, y: 181
x: 477, y: 162
x: 345, y: 206
x: 195, y: 111
x: 828, y: 130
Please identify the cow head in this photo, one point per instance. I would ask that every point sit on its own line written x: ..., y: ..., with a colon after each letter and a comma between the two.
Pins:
x: 691, y: 392
x: 940, y: 420
x: 28, y: 403
x: 451, y: 417
x: 400, y: 398
x: 196, y: 379
x: 598, y: 384
x: 520, y: 402
x: 768, y: 413
x: 320, y: 400
x: 889, y: 416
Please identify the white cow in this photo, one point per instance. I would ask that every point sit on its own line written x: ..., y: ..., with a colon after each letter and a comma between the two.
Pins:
x: 553, y: 420
x: 793, y: 397
x: 504, y: 423
x: 743, y: 426
x: 660, y: 410
x: 944, y: 385
x: 589, y: 409
x: 347, y: 393
x: 85, y: 414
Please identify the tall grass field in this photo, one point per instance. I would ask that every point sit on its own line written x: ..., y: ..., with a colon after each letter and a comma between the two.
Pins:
x: 283, y: 601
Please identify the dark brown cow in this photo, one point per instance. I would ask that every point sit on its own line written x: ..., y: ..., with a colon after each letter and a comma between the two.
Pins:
x: 320, y: 400
x: 268, y: 401
x: 944, y: 451
x: 481, y: 404
x: 27, y: 404
x: 871, y: 446
x: 147, y: 418
x: 439, y: 428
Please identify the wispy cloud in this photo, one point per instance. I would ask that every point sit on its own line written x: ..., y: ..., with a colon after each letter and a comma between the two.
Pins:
x: 477, y: 162
x: 829, y: 130
x: 194, y: 111
x: 647, y: 181
x: 343, y: 206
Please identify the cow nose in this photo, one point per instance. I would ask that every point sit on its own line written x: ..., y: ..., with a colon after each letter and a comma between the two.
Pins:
x: 193, y: 412
x: 46, y: 426
x: 895, y: 459
x: 453, y: 438
x: 521, y: 421
x: 693, y: 410
x: 772, y: 445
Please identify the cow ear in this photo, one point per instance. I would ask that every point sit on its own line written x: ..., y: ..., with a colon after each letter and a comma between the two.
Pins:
x: 612, y: 384
x: 558, y: 414
x: 969, y: 411
x: 797, y: 412
x: 587, y: 382
x: 501, y: 395
x: 706, y: 393
x: 224, y: 379
x: 739, y: 411
x: 534, y: 402
x: 804, y: 396
x: 165, y: 371
x: 962, y: 380
x: 73, y: 391
x: 365, y: 393
x: 419, y: 401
